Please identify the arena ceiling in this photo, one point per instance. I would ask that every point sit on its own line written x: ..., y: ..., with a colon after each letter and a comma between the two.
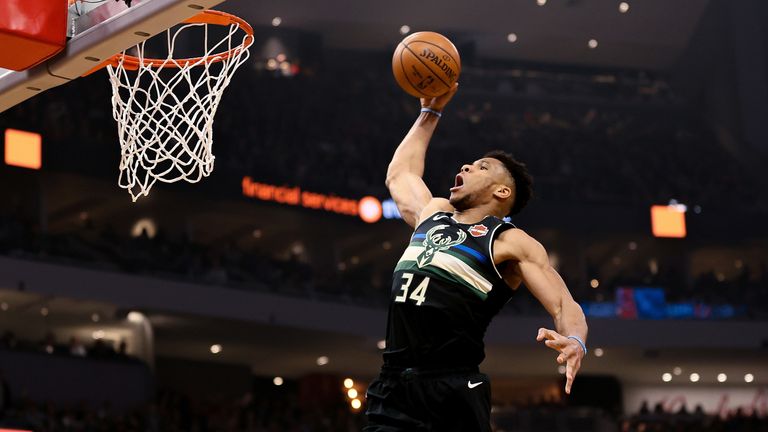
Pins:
x: 651, y: 34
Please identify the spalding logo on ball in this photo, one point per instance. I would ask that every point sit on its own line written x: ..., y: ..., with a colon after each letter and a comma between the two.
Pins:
x: 426, y: 64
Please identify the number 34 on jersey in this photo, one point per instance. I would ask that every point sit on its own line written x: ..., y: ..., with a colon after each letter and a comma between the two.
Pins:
x: 418, y: 294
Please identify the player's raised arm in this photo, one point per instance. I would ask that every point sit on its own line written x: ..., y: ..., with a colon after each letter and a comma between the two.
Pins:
x: 407, y: 166
x: 529, y: 262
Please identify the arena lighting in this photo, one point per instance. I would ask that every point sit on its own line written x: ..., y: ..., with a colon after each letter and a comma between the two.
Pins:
x: 541, y: 2
x: 749, y: 378
x: 623, y: 7
x: 511, y: 38
x: 694, y: 377
x: 368, y: 208
x: 98, y: 334
x: 599, y: 352
x: 356, y: 404
x: 381, y: 344
x: 4, y: 306
x: 135, y: 317
x: 95, y: 317
x: 404, y: 30
x: 216, y: 348
x: 561, y: 370
x: 281, y: 57
x: 666, y: 377
x: 278, y: 381
x: 23, y: 149
x: 145, y: 226
x: 44, y: 311
x: 297, y: 248
x: 276, y: 21
x: 594, y: 283
x: 352, y: 393
x: 348, y: 383
x: 721, y: 377
x: 322, y: 360
x: 592, y: 43
x: 653, y: 266
x: 677, y: 370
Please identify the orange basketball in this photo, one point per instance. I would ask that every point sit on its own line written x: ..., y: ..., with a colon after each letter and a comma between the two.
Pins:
x: 426, y: 64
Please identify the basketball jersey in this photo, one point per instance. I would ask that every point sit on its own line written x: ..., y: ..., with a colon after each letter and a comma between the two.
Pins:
x: 445, y: 291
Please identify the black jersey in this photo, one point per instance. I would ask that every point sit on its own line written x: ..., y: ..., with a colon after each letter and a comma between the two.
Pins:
x: 445, y: 291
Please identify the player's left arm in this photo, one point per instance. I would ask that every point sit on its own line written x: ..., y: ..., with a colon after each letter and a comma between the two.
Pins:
x: 528, y: 261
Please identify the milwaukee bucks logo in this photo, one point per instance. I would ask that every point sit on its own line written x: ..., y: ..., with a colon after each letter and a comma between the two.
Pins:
x: 438, y: 238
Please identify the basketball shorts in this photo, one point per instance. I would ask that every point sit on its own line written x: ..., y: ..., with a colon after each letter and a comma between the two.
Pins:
x: 418, y: 400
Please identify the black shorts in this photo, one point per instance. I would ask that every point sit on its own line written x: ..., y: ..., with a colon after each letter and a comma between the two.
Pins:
x: 436, y: 400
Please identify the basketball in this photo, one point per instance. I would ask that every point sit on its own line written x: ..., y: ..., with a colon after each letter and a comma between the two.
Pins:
x: 426, y: 64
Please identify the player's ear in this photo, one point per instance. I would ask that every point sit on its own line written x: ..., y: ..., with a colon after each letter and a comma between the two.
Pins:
x: 503, y: 192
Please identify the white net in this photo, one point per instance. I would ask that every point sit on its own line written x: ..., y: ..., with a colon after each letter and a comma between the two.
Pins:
x: 165, y: 109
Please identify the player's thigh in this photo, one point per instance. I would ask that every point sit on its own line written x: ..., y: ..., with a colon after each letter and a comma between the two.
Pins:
x: 390, y: 409
x: 466, y: 404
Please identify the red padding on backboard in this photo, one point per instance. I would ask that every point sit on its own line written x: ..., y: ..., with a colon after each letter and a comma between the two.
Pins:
x: 31, y: 31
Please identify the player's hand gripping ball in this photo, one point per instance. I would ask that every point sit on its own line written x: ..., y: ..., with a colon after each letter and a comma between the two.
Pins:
x: 426, y: 64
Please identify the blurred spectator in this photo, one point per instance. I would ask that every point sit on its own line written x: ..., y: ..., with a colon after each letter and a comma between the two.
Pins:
x: 737, y: 421
x: 101, y: 349
x: 9, y: 340
x: 76, y: 348
x: 48, y: 344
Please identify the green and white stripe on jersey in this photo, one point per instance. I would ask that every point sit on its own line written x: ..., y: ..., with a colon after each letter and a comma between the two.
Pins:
x: 447, y: 265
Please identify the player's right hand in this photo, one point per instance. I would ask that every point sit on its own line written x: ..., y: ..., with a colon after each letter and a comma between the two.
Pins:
x: 570, y: 351
x: 438, y: 103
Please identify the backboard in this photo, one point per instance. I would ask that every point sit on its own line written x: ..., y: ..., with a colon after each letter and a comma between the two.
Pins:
x: 98, y: 30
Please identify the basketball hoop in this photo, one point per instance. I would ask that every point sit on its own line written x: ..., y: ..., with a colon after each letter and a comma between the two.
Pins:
x: 164, y: 107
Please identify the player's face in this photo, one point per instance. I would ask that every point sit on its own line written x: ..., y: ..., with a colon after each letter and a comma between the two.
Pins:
x: 475, y: 183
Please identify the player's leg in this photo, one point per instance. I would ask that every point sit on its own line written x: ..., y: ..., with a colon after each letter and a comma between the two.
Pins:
x: 390, y: 408
x: 463, y: 402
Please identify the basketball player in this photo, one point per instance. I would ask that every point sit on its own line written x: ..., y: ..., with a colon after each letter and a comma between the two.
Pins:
x: 462, y: 265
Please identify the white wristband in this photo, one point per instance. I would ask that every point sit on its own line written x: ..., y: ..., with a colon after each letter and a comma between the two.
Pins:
x: 431, y: 111
x: 581, y: 342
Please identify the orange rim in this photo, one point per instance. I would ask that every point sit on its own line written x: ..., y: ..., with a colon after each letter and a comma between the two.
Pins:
x: 205, y: 17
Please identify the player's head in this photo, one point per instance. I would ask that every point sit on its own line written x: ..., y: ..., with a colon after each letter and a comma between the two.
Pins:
x: 496, y: 179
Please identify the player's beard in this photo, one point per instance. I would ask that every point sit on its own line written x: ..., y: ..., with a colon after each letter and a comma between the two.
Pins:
x: 462, y: 203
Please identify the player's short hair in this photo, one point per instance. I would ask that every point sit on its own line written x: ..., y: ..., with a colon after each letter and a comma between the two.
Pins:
x: 519, y: 172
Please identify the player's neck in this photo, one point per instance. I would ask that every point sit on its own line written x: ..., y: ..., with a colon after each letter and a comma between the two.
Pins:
x: 472, y: 215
